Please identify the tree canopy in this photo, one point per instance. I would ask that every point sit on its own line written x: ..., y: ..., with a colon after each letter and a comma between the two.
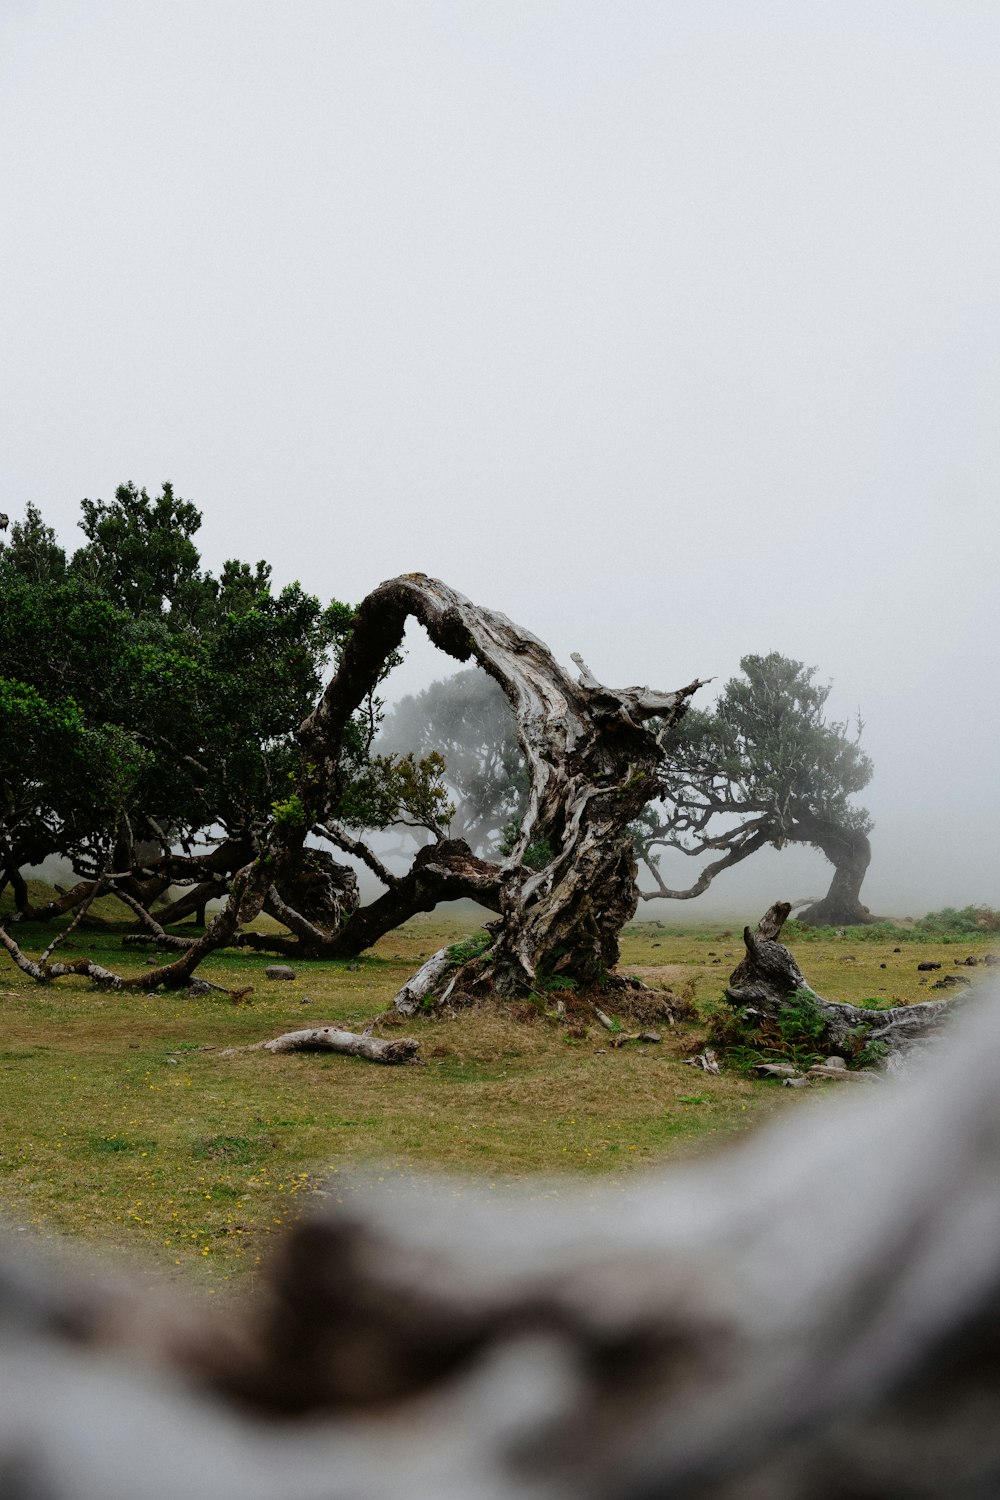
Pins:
x: 764, y: 767
x: 147, y: 701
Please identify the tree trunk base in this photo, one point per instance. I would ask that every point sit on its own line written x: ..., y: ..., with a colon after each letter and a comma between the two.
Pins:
x: 837, y: 913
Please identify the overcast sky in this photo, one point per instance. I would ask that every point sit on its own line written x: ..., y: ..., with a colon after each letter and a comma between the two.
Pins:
x: 672, y: 330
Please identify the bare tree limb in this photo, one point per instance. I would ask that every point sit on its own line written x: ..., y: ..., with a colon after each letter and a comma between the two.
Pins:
x: 707, y: 875
x: 154, y: 929
x: 342, y: 839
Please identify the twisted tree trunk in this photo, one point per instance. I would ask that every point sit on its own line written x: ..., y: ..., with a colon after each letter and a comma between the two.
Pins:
x: 591, y: 759
x: 850, y: 853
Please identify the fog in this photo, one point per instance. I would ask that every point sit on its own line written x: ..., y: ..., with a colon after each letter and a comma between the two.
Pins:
x: 671, y: 330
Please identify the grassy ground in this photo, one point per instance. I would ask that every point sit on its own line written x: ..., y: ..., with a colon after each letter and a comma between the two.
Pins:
x: 122, y: 1124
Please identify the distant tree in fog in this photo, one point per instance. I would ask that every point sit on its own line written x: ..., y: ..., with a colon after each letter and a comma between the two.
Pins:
x: 764, y: 767
x: 466, y: 718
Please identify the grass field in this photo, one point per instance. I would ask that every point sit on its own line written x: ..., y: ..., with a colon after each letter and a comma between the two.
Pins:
x: 123, y: 1124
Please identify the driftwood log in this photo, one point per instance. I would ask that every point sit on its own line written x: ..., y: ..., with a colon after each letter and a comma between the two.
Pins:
x: 811, y: 1315
x: 768, y: 980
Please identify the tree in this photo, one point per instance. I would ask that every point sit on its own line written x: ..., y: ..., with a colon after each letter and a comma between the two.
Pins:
x: 592, y: 764
x: 140, y: 553
x: 764, y: 767
x: 205, y: 678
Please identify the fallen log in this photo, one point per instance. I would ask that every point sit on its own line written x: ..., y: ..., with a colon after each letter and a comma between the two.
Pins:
x: 334, y: 1039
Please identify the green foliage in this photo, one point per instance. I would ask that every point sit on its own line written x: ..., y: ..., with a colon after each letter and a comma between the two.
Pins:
x: 156, y: 699
x: 537, y: 855
x: 140, y: 553
x: 871, y: 1054
x: 471, y: 947
x: 764, y: 767
x: 290, y: 813
x: 969, y: 923
x: 386, y: 791
x: 746, y: 1039
x: 801, y: 1028
x: 58, y: 775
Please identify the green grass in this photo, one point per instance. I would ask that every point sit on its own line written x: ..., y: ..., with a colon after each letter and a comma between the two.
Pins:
x: 124, y: 1125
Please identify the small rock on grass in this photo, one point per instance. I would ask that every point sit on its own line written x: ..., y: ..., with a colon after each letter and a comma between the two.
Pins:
x: 279, y: 971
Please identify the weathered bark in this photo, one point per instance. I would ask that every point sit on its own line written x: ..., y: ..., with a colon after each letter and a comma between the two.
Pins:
x: 427, y: 981
x: 392, y: 1050
x: 767, y: 979
x: 850, y: 853
x: 154, y: 931
x: 810, y: 1314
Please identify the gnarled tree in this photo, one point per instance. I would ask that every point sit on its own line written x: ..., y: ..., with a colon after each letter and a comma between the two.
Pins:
x: 593, y: 763
x: 765, y: 767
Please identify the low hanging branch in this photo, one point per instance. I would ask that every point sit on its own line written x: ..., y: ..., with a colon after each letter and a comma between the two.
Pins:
x: 155, y: 932
x: 768, y: 980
